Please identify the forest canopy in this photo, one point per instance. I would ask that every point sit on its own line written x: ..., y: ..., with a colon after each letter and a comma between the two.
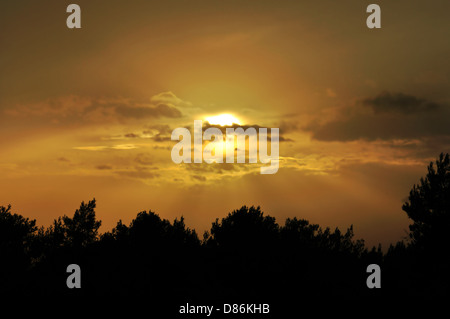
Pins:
x: 246, y: 253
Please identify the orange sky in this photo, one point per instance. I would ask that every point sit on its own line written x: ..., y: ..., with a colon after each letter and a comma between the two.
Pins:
x: 88, y: 113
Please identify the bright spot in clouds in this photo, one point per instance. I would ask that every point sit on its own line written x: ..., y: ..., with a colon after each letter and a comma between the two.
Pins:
x: 223, y: 120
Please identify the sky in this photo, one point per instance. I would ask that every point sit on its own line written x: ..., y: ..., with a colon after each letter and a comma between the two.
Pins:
x: 88, y: 113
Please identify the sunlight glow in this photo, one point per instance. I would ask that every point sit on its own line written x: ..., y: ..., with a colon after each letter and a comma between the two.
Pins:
x: 223, y: 120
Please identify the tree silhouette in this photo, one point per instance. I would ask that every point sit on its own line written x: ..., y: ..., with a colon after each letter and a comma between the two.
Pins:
x: 244, y: 228
x: 429, y: 206
x: 78, y: 231
x: 149, y: 230
x: 419, y: 267
x: 246, y: 255
x: 16, y: 236
x: 301, y: 234
x: 15, y: 230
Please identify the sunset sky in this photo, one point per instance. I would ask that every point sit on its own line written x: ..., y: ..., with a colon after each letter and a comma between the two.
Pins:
x: 89, y: 112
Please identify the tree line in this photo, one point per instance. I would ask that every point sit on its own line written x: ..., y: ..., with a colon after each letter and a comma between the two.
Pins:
x: 245, y: 255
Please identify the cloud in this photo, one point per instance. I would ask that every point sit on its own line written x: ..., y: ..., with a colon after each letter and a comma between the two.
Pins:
x: 131, y: 135
x: 166, y: 148
x: 288, y: 126
x: 72, y: 109
x: 159, y: 138
x: 158, y: 132
x: 385, y: 117
x: 284, y: 139
x: 199, y: 178
x: 399, y: 103
x: 158, y: 128
x: 169, y: 98
x: 138, y: 112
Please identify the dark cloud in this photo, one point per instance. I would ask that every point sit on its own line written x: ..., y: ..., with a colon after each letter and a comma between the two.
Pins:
x: 288, y: 126
x: 103, y: 167
x: 386, y: 117
x: 284, y: 139
x: 160, y: 110
x: 160, y: 132
x: 399, y: 103
x: 77, y: 109
x: 199, y: 178
x: 160, y: 138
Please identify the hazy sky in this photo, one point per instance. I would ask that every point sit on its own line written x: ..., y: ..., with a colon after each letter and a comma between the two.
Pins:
x: 88, y: 112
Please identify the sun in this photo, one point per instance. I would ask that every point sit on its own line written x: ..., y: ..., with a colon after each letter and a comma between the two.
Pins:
x: 223, y: 120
